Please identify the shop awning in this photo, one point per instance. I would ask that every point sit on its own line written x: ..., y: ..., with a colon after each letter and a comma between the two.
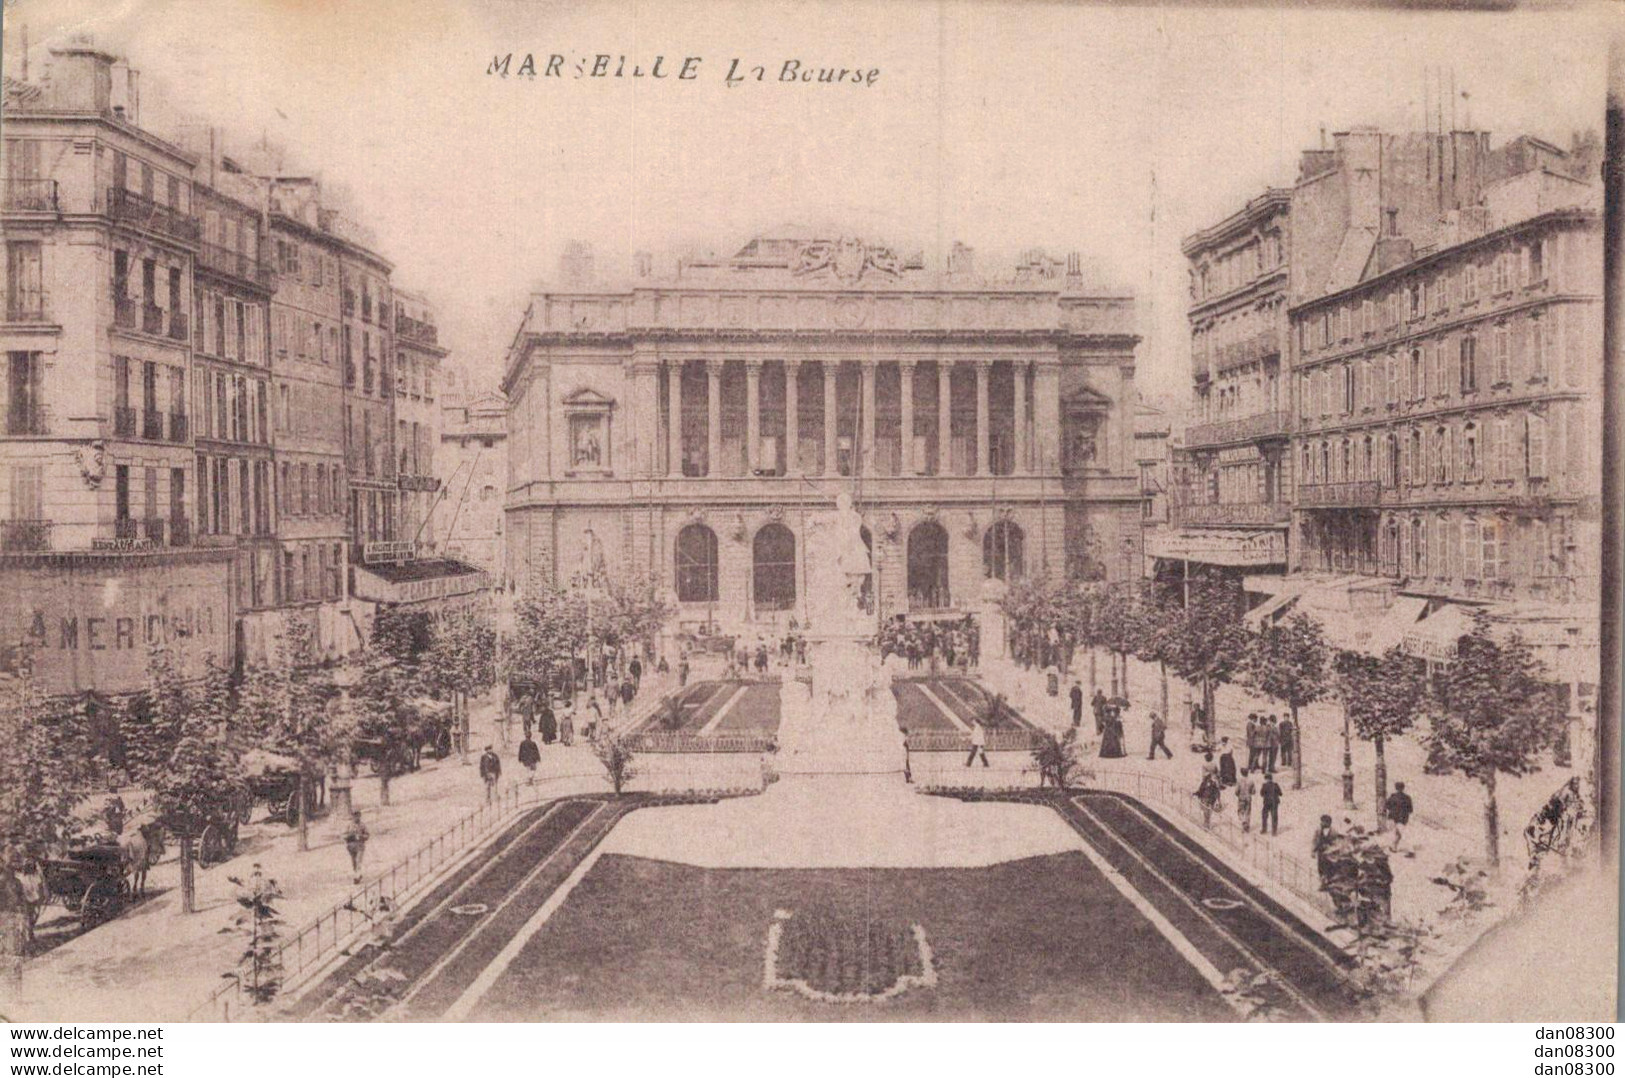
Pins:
x: 1401, y: 618
x: 1271, y: 610
x: 1216, y: 547
x: 1435, y: 636
x: 418, y: 581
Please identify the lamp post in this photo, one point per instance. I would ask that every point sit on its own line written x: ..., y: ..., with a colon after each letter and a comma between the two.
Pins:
x: 1348, y: 759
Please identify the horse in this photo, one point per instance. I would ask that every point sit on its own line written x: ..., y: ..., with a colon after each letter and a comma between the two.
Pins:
x: 133, y: 852
x: 35, y: 895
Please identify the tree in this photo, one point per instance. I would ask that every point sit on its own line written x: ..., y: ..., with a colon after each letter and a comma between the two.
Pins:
x: 199, y: 781
x: 551, y: 629
x: 384, y: 715
x: 1210, y: 643
x: 44, y: 764
x: 285, y: 706
x: 1288, y: 662
x: 1057, y: 758
x: 460, y: 662
x: 1157, y: 632
x: 614, y: 752
x: 260, y: 924
x: 1495, y: 713
x: 1382, y: 697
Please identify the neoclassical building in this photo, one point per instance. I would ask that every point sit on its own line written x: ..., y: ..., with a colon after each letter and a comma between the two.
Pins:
x: 686, y: 426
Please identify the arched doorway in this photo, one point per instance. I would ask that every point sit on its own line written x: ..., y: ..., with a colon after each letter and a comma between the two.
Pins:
x: 928, y: 567
x: 696, y: 564
x: 1004, y: 551
x: 773, y: 555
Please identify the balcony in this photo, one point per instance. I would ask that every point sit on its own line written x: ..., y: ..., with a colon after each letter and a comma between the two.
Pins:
x: 125, y: 528
x: 234, y: 264
x: 29, y: 196
x: 179, y: 427
x: 1255, y: 514
x: 17, y: 535
x: 414, y: 330
x: 152, y: 319
x: 152, y: 425
x: 123, y: 421
x: 1366, y: 493
x: 1254, y: 349
x: 180, y: 531
x: 124, y: 308
x: 28, y: 307
x: 154, y: 530
x: 128, y: 207
x: 1248, y: 428
x: 178, y: 325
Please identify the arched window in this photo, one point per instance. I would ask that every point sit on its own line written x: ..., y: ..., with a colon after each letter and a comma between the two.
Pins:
x: 1325, y: 462
x: 1391, y: 554
x: 1367, y: 464
x: 697, y: 564
x: 1348, y: 461
x: 1004, y: 551
x: 928, y: 567
x: 773, y: 557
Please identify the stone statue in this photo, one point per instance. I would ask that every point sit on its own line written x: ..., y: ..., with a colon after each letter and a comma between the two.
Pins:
x: 851, y: 553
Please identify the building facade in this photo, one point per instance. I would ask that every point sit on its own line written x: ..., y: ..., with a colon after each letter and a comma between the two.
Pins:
x: 97, y: 551
x: 1230, y: 505
x: 369, y: 393
x: 418, y: 361
x: 473, y: 462
x: 685, y: 428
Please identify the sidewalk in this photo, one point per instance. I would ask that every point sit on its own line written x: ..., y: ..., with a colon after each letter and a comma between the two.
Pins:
x: 1448, y: 823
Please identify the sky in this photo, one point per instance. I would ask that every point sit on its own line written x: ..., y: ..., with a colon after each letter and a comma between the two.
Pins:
x: 1113, y: 132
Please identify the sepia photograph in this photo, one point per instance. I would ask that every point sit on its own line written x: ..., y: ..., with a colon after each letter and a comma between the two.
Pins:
x: 518, y: 511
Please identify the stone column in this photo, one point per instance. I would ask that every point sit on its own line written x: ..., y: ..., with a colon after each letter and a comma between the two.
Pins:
x: 945, y: 417
x: 674, y: 428
x: 906, y: 382
x: 792, y: 419
x: 1021, y: 417
x: 713, y: 417
x: 830, y: 370
x: 753, y: 415
x: 1047, y: 416
x: 982, y: 367
x: 868, y: 443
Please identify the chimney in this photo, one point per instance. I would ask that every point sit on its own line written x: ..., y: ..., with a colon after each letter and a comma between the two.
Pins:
x: 81, y: 79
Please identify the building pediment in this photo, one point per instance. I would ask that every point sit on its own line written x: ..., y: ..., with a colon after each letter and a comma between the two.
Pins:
x: 1085, y: 399
x: 588, y: 398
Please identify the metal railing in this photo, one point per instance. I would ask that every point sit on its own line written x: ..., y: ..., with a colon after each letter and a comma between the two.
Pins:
x: 178, y: 323
x: 1233, y: 513
x: 152, y: 319
x: 24, y: 195
x: 179, y: 427
x: 180, y: 531
x: 414, y: 330
x: 656, y: 741
x: 137, y: 209
x: 998, y: 740
x: 25, y: 535
x: 155, y: 530
x: 152, y: 425
x: 123, y: 421
x: 28, y: 306
x: 235, y: 263
x: 1364, y: 492
x: 125, y: 528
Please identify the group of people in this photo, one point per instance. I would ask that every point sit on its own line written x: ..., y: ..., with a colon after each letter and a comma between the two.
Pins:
x: 951, y: 645
x: 1221, y: 774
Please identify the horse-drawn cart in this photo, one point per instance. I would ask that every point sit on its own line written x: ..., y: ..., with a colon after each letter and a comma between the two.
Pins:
x: 273, y: 780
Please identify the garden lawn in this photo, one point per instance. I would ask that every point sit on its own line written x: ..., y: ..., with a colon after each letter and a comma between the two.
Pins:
x: 1038, y: 938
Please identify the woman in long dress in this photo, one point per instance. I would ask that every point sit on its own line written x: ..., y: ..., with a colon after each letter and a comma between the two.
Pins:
x: 1111, y: 736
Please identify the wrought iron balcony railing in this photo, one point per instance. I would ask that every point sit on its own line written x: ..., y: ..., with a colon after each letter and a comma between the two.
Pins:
x: 126, y: 528
x: 179, y: 427
x: 18, y: 535
x: 180, y: 531
x: 152, y: 425
x: 137, y: 209
x: 28, y: 307
x: 1244, y: 513
x: 1362, y: 493
x: 154, y: 530
x: 21, y: 195
x: 414, y: 330
x: 235, y: 263
x: 123, y: 421
x: 178, y: 325
x: 152, y: 319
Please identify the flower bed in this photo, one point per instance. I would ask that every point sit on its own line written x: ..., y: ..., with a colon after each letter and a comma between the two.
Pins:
x: 834, y: 957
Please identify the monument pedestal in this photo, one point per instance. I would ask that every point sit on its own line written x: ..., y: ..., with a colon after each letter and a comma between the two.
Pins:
x: 845, y: 720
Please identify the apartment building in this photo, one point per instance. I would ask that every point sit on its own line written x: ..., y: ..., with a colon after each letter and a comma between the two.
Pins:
x: 418, y: 364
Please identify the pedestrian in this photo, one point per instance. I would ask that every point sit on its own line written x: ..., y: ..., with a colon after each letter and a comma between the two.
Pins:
x: 908, y: 759
x: 1076, y: 696
x: 567, y: 727
x: 1253, y: 742
x: 1097, y: 704
x: 1159, y: 734
x: 1207, y: 795
x: 662, y: 667
x: 355, y: 843
x: 490, y: 772
x: 1398, y: 809
x: 529, y: 757
x: 628, y: 691
x: 1227, y: 763
x: 1321, y: 844
x: 548, y: 723
x: 527, y: 712
x: 1111, y: 740
x: 594, y: 718
x: 1272, y: 743
x: 1287, y: 734
x: 978, y: 743
x: 1270, y: 794
x: 682, y: 671
x: 635, y: 668
x: 1244, y: 799
x: 16, y: 922
x: 1209, y: 768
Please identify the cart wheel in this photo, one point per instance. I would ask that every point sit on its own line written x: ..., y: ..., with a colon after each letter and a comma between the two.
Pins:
x: 245, y: 808
x: 211, y: 846
x: 100, y: 903
x: 290, y: 811
x: 374, y: 764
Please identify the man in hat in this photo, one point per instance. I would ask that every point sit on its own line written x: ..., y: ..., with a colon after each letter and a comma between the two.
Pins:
x: 490, y: 772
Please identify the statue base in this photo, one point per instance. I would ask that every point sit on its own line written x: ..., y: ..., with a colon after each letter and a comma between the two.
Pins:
x: 844, y: 721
